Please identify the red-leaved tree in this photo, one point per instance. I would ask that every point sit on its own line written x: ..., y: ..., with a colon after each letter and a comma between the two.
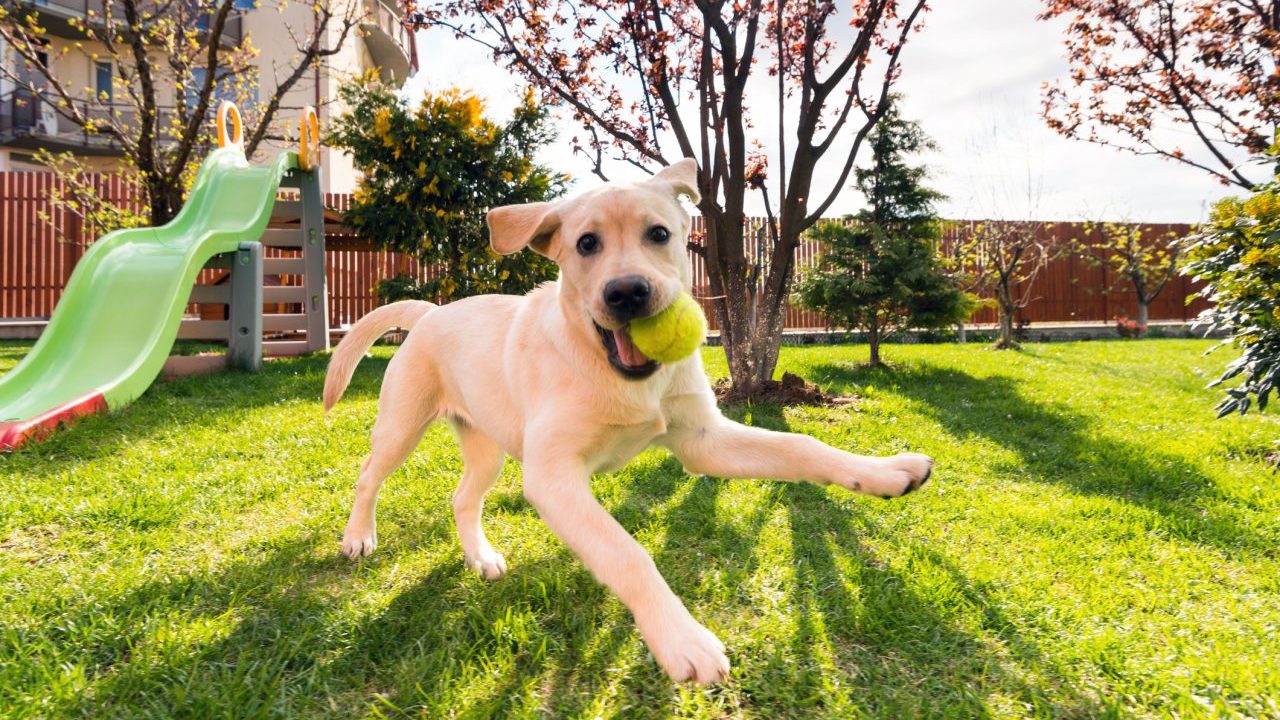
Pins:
x: 1148, y: 76
x: 651, y: 82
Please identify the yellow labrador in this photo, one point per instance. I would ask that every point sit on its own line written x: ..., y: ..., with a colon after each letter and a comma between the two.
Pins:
x: 552, y: 379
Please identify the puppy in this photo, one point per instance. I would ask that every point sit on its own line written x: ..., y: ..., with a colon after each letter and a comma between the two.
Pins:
x: 552, y: 379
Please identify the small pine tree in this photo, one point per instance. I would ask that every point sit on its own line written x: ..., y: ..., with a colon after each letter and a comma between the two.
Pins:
x: 879, y: 270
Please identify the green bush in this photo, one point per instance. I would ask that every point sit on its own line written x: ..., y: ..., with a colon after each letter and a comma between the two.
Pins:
x: 431, y: 172
x: 1237, y: 256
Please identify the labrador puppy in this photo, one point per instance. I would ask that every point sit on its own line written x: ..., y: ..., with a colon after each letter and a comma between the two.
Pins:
x: 553, y: 380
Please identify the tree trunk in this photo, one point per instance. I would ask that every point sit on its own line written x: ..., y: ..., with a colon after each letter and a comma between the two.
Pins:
x: 1007, y: 307
x: 1006, y: 327
x: 873, y: 339
x: 751, y: 319
x: 1142, y: 313
x: 166, y: 201
x: 961, y: 333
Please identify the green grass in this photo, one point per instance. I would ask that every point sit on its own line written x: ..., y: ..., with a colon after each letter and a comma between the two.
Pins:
x: 1093, y: 544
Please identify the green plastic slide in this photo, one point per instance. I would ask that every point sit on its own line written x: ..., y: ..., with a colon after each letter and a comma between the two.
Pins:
x: 118, y: 318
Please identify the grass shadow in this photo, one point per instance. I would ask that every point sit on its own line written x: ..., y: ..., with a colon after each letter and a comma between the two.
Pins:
x: 1053, y: 444
x: 901, y: 652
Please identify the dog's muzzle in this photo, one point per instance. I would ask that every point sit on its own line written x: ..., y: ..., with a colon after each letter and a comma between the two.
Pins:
x: 624, y: 356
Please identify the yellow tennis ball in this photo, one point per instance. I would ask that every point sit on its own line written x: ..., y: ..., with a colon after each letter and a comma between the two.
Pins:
x: 673, y: 334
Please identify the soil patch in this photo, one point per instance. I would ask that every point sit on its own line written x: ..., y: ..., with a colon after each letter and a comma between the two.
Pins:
x: 790, y: 390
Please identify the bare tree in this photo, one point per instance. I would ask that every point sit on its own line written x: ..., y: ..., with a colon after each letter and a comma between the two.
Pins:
x: 1006, y: 257
x: 174, y: 60
x: 1003, y: 254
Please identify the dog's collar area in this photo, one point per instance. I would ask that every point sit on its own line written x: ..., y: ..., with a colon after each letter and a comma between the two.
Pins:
x: 631, y: 372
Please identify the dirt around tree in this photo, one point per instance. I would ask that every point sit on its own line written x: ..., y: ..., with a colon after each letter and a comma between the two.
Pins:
x: 790, y: 390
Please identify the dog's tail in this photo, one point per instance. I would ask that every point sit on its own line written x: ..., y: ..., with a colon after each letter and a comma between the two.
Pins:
x: 362, y: 336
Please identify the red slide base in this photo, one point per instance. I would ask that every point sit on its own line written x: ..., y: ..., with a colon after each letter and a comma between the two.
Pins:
x: 14, y: 435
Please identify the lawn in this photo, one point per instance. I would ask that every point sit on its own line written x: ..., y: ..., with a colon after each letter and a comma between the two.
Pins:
x: 1093, y: 544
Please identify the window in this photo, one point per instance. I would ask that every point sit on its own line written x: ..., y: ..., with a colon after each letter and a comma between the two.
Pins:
x: 28, y: 73
x: 194, y: 83
x: 223, y: 91
x: 103, y: 82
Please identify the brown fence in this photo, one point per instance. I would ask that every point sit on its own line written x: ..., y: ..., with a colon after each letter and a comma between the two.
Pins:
x: 40, y: 244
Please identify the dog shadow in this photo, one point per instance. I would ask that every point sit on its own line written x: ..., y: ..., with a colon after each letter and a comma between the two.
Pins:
x: 560, y: 636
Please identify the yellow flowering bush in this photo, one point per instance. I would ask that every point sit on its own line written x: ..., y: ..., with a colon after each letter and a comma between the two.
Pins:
x: 1237, y: 256
x: 431, y: 172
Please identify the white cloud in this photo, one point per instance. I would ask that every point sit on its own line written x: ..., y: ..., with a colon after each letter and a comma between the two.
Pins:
x: 972, y: 78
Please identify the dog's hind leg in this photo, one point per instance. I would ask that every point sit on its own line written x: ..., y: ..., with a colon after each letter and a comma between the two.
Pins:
x: 483, y: 463
x: 403, y: 417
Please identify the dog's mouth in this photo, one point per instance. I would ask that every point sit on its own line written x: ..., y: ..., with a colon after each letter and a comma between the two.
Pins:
x: 624, y: 356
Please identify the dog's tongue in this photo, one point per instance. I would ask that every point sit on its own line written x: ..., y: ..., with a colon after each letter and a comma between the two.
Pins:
x: 628, y: 353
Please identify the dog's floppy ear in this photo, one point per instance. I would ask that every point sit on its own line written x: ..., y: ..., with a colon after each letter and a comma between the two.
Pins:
x: 512, y: 227
x: 682, y: 178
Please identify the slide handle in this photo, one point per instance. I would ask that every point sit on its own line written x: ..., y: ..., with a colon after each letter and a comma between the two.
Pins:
x: 229, y: 114
x: 308, y: 139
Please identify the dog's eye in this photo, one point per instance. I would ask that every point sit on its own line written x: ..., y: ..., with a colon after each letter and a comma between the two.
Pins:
x: 659, y: 235
x: 588, y: 244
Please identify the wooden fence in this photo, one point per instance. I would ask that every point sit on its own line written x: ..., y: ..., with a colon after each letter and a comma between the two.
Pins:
x: 40, y: 244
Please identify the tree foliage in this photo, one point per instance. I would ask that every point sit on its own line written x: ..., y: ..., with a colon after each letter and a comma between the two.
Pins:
x: 1134, y: 254
x: 879, y: 271
x: 172, y: 65
x: 1237, y: 256
x: 652, y: 82
x: 1147, y: 75
x: 431, y: 172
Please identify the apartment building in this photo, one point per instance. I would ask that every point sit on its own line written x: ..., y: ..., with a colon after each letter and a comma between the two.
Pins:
x: 29, y: 122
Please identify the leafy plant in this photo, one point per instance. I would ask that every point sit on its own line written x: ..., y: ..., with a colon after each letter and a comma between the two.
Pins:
x: 1237, y: 256
x: 1191, y: 81
x: 431, y: 172
x: 1133, y: 254
x: 1127, y: 328
x: 880, y: 271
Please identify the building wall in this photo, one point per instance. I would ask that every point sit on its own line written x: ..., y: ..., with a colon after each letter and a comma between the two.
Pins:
x: 269, y: 28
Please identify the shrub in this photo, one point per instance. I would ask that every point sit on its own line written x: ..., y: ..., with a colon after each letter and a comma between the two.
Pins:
x: 431, y: 172
x: 1127, y: 328
x: 1237, y: 256
x: 880, y: 270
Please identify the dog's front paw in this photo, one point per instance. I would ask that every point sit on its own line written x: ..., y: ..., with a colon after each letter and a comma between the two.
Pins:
x: 488, y: 563
x: 359, y: 541
x: 687, y: 651
x: 904, y: 473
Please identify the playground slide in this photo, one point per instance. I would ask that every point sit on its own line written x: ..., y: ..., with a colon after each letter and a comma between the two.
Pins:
x: 118, y: 318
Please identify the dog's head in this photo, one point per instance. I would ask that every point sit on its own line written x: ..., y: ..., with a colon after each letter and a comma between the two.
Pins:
x: 621, y: 249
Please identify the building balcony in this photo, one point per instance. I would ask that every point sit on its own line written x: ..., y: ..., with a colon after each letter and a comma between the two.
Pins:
x: 388, y: 40
x: 62, y: 18
x: 29, y: 121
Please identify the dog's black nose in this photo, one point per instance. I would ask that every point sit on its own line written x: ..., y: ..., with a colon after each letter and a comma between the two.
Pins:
x: 627, y: 296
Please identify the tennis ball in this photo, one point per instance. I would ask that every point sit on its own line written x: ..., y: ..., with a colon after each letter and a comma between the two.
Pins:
x: 673, y: 334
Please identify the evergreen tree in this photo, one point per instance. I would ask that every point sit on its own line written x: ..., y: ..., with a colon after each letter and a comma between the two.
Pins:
x: 879, y: 270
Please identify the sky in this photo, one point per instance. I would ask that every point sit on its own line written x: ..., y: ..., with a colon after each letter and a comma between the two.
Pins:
x: 972, y: 78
